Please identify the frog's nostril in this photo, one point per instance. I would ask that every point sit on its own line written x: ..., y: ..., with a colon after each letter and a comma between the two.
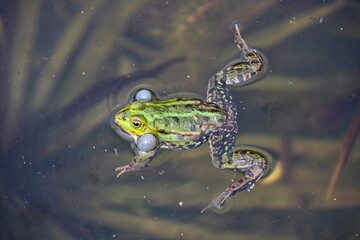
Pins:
x: 118, y: 117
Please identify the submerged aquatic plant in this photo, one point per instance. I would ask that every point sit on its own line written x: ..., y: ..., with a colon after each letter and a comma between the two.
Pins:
x: 43, y: 128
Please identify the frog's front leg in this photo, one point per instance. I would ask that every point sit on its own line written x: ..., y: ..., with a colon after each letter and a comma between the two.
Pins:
x: 250, y: 161
x: 146, y: 149
x: 140, y: 161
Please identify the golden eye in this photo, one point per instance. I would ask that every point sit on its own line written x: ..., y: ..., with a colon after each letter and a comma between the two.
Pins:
x: 136, y: 123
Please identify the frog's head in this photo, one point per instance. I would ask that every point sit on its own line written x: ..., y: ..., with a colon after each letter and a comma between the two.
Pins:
x: 131, y: 120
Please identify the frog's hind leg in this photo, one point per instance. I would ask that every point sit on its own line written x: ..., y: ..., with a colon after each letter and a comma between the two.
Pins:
x: 222, y: 140
x: 251, y: 161
x: 244, y: 72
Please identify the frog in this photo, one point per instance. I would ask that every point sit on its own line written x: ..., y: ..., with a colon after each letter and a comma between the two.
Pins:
x: 184, y: 123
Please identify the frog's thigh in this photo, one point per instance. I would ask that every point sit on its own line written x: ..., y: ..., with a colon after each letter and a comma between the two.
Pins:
x: 221, y: 146
x: 252, y: 161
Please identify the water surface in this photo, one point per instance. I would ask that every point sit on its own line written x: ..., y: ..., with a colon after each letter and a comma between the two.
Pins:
x: 66, y: 66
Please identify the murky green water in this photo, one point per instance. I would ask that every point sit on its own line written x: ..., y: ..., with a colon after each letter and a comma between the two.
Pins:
x: 65, y: 67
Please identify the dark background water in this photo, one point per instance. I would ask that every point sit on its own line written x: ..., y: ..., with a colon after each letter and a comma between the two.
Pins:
x: 66, y: 65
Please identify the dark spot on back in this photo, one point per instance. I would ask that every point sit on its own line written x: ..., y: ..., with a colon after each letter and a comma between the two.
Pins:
x: 176, y: 119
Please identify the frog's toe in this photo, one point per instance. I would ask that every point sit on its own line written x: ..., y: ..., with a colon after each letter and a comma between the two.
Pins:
x: 219, y: 201
x: 212, y: 204
x: 123, y: 169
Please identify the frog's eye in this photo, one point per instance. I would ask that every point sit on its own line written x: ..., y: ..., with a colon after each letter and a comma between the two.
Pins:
x: 136, y: 123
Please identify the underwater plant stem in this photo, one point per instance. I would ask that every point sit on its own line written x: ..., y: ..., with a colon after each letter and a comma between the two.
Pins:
x: 350, y: 139
x: 286, y: 156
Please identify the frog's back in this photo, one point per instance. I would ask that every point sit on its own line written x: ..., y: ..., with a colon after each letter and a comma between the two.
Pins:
x: 182, y: 122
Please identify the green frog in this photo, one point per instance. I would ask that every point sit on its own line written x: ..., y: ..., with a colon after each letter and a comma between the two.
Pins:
x: 186, y: 123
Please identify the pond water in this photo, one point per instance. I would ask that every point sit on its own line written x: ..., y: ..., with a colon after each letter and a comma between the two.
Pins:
x: 66, y: 66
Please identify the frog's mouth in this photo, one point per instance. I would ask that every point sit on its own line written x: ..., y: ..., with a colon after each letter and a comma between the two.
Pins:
x: 123, y: 134
x: 120, y: 131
